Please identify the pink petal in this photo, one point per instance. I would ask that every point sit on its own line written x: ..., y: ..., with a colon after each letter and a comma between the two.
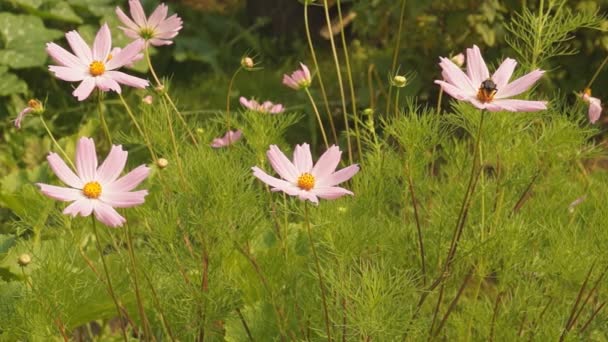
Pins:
x: 339, y: 176
x: 453, y: 91
x: 476, y: 67
x: 159, y: 42
x: 126, y: 55
x: 308, y: 195
x: 80, y: 47
x: 63, y: 172
x: 171, y: 24
x: 306, y: 71
x: 166, y: 35
x: 302, y: 159
x: 83, y: 206
x: 130, y: 33
x: 106, y: 83
x: 249, y: 104
x: 228, y: 139
x: 503, y: 74
x: 63, y: 57
x: 595, y: 109
x: 137, y: 12
x: 113, y: 165
x: 290, y: 82
x: 131, y: 180
x: 60, y: 193
x: 21, y: 115
x: 86, y: 160
x: 327, y: 163
x: 125, y: 79
x: 159, y: 14
x: 102, y: 44
x: 520, y: 105
x: 454, y: 75
x: 69, y: 74
x: 124, y: 199
x: 282, y: 165
x: 519, y: 85
x: 84, y: 89
x: 107, y: 215
x: 331, y: 193
x: 277, y: 184
x: 126, y: 20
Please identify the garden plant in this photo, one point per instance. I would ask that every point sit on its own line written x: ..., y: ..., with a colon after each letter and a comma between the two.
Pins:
x: 382, y: 171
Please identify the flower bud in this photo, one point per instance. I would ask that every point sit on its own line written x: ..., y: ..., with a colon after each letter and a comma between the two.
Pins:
x: 24, y: 260
x: 162, y: 163
x: 458, y: 59
x: 36, y: 106
x: 368, y: 112
x: 147, y: 99
x: 399, y: 81
x: 247, y: 63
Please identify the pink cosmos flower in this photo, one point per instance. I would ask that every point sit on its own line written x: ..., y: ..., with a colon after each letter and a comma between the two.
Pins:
x: 95, y: 67
x: 228, y: 139
x: 266, y: 107
x: 300, y: 178
x: 485, y: 92
x: 299, y: 79
x: 157, y: 29
x: 94, y: 189
x: 32, y: 106
x: 595, y: 106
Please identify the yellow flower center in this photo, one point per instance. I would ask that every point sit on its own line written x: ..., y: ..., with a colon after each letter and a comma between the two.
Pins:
x: 306, y: 181
x: 486, y: 91
x: 146, y: 33
x: 92, y: 190
x: 587, y: 91
x: 97, y: 68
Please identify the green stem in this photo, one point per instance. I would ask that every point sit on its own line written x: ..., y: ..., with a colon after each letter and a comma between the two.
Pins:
x: 340, y: 82
x: 314, y: 107
x: 174, y: 144
x: 319, y: 74
x: 396, y: 54
x: 167, y: 97
x: 65, y: 155
x: 108, y: 279
x: 138, y: 127
x: 228, y: 123
x: 140, y: 304
x: 102, y: 118
x: 397, y: 103
x: 353, y: 97
x: 597, y: 72
x: 318, y: 266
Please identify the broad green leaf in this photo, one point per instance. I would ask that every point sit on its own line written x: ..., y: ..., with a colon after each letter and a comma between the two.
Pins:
x: 23, y: 40
x: 11, y: 84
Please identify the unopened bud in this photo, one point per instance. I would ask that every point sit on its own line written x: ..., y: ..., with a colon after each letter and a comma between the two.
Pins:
x: 247, y: 63
x: 368, y: 112
x: 458, y: 59
x: 147, y: 99
x: 200, y: 130
x: 162, y: 163
x: 399, y: 81
x: 36, y: 106
x: 160, y: 88
x: 24, y: 260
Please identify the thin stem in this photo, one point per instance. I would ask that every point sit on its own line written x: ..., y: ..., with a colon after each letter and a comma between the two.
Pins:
x: 228, y: 123
x: 167, y: 97
x: 340, y: 83
x: 314, y: 107
x: 245, y: 326
x: 418, y: 227
x: 397, y: 103
x: 453, y: 303
x: 108, y: 279
x: 396, y: 54
x: 353, y: 97
x: 318, y: 266
x: 138, y: 127
x: 159, y: 308
x: 597, y: 72
x: 174, y: 144
x: 439, y: 98
x: 140, y: 304
x: 102, y: 117
x: 65, y: 155
x: 319, y: 74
